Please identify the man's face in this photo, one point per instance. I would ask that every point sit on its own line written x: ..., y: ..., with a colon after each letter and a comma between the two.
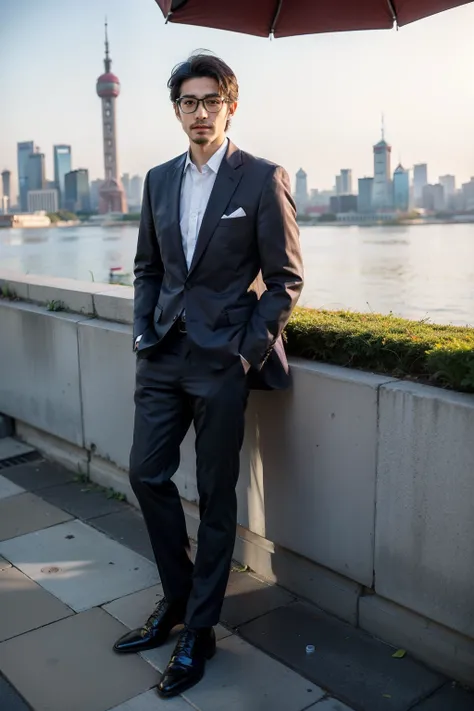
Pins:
x: 203, y: 126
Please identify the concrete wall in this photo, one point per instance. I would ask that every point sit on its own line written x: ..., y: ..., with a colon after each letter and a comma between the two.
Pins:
x: 355, y: 491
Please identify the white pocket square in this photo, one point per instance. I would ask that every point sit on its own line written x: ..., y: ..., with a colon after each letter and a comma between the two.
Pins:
x: 240, y: 212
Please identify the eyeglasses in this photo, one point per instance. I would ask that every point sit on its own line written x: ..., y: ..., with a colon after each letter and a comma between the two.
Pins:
x: 189, y: 104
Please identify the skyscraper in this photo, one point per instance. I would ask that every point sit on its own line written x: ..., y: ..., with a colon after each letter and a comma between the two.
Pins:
x: 401, y: 188
x: 364, y: 199
x: 420, y: 179
x: 62, y: 165
x: 382, y: 186
x: 6, y: 190
x: 301, y: 190
x: 36, y: 172
x: 346, y: 181
x: 77, y: 192
x: 136, y: 190
x: 24, y: 150
x: 112, y: 195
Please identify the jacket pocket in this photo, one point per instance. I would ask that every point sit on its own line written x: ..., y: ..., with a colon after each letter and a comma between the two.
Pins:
x: 239, y: 315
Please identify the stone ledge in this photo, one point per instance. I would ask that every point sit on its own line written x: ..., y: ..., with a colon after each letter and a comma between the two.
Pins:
x: 115, y: 304
x: 111, y: 302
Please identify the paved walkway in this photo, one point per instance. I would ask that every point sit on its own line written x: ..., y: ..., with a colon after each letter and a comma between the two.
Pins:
x: 76, y: 571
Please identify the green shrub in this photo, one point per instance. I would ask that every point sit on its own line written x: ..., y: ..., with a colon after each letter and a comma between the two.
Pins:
x: 434, y: 354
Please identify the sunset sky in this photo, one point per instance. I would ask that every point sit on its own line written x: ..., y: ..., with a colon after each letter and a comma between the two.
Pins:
x: 313, y: 101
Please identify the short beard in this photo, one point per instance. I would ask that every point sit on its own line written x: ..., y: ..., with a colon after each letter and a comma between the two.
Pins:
x: 200, y: 141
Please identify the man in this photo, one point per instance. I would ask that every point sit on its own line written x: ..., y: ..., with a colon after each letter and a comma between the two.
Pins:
x: 218, y: 271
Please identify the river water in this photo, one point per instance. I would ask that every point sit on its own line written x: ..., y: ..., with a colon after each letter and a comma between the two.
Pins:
x: 419, y: 271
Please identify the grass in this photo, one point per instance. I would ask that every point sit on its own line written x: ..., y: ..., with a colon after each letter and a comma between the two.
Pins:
x: 438, y: 355
x: 7, y: 292
x: 55, y: 305
x: 91, y: 486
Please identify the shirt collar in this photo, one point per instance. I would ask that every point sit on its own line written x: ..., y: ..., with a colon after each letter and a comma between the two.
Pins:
x: 214, y: 162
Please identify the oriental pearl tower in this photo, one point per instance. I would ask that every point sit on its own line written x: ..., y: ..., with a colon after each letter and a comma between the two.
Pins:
x: 111, y: 193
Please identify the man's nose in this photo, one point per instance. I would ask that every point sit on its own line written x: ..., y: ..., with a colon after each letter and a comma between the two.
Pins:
x: 201, y: 112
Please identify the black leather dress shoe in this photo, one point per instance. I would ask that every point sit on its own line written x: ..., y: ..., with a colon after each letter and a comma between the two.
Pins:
x: 187, y: 663
x: 156, y: 629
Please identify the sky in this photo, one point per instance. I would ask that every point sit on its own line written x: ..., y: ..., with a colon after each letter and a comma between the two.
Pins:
x: 313, y: 101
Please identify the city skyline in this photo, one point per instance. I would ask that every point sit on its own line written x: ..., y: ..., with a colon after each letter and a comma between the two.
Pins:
x: 342, y: 128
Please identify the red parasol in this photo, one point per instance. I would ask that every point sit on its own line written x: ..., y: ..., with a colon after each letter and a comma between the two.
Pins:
x: 283, y: 18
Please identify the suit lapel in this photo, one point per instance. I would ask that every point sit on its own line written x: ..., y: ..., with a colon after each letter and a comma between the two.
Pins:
x: 174, y: 199
x: 227, y: 180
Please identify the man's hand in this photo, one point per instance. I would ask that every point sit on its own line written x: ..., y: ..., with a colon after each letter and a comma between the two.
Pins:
x: 137, y: 341
x: 245, y: 364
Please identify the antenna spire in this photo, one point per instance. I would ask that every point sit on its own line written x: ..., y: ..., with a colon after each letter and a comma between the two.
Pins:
x: 107, y: 60
x: 383, y: 127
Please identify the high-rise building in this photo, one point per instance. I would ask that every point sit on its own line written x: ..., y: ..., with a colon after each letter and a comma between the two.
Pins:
x: 62, y: 165
x: 433, y: 198
x: 36, y: 172
x: 6, y: 191
x: 401, y: 188
x: 95, y: 186
x: 77, y: 191
x: 136, y: 190
x: 126, y: 184
x: 46, y: 200
x: 301, y: 190
x: 364, y: 199
x: 420, y: 179
x: 382, y: 185
x: 449, y: 184
x: 112, y: 195
x: 346, y: 181
x: 468, y: 195
x: 342, y: 204
x: 24, y: 150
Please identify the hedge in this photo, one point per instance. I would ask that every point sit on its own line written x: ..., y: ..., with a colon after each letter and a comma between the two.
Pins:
x: 417, y: 350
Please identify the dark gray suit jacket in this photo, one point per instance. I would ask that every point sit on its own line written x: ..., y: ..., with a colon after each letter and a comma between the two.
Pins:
x: 246, y: 274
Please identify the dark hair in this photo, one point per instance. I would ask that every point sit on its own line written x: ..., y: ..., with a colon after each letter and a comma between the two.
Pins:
x: 204, y: 65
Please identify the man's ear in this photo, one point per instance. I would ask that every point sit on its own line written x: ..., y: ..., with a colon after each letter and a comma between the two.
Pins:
x: 233, y: 108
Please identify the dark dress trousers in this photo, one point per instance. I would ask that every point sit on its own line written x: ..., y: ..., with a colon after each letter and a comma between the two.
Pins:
x: 244, y: 280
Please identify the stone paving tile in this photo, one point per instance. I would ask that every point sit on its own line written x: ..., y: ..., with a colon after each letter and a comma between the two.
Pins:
x: 347, y: 662
x: 28, y: 605
x: 83, y: 501
x: 79, y: 565
x: 26, y: 513
x: 127, y: 527
x: 242, y: 678
x: 450, y: 698
x: 150, y: 701
x: 329, y: 705
x: 10, y: 447
x: 8, y: 488
x: 4, y: 564
x: 70, y: 665
x: 10, y: 700
x: 132, y: 610
x: 37, y: 475
x: 248, y: 597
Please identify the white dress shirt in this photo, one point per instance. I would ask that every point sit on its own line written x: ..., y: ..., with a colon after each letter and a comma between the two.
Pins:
x: 196, y: 188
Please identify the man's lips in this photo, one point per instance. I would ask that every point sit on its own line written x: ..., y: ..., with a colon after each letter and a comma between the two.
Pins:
x: 201, y: 128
